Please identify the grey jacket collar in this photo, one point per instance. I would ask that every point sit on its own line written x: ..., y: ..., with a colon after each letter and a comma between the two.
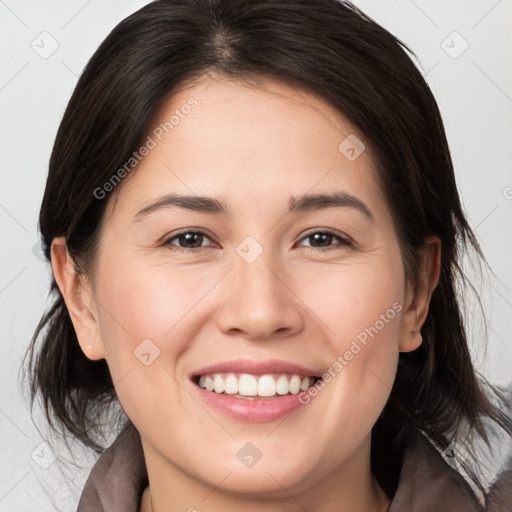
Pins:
x: 427, y: 483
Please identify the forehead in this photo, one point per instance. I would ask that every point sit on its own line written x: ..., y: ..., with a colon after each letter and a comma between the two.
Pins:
x: 228, y: 138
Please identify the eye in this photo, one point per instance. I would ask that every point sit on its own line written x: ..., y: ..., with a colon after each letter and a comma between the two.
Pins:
x: 188, y: 240
x: 191, y: 241
x: 324, y: 238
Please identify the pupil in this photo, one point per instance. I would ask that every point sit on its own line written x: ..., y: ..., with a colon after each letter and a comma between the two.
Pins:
x: 316, y: 237
x: 189, y: 238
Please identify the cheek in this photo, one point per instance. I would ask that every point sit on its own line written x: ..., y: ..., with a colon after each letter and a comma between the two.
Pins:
x: 138, y: 318
x: 360, y: 300
x: 146, y: 324
x: 360, y: 312
x: 150, y: 303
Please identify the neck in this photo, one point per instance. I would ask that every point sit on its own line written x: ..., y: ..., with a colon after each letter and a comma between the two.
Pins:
x: 349, y: 488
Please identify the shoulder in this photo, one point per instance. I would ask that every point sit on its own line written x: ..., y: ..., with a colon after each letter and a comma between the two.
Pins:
x: 118, y: 478
x: 428, y: 482
x: 499, y: 497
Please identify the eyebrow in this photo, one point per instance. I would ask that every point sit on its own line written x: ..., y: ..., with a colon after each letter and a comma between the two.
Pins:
x: 305, y: 203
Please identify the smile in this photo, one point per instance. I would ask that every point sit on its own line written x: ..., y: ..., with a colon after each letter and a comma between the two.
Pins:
x: 254, y: 391
x: 245, y: 385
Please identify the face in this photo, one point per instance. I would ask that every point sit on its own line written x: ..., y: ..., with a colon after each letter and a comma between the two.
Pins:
x: 271, y: 286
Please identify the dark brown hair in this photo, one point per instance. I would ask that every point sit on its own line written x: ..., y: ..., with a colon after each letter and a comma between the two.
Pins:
x: 328, y: 47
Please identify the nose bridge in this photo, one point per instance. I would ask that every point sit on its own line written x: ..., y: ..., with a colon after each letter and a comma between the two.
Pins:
x: 256, y: 281
x: 260, y: 302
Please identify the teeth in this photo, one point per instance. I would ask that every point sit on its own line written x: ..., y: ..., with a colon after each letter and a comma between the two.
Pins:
x: 282, y: 386
x: 267, y: 386
x: 231, y: 385
x: 305, y: 384
x: 295, y: 384
x: 218, y: 384
x: 246, y: 384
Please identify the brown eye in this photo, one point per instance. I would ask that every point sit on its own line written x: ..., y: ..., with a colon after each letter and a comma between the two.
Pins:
x: 322, y: 240
x: 186, y: 240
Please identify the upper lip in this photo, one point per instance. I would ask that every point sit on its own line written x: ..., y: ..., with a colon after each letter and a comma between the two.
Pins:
x: 256, y: 368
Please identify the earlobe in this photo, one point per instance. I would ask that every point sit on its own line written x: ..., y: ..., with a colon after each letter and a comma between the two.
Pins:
x: 78, y: 298
x: 411, y: 342
x: 418, y: 299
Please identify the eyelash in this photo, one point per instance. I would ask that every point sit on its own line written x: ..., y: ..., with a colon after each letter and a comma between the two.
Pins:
x: 343, y: 241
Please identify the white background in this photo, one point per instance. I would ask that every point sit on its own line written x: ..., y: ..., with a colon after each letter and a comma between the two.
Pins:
x: 474, y: 92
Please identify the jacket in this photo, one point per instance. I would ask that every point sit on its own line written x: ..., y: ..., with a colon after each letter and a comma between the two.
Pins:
x: 426, y: 483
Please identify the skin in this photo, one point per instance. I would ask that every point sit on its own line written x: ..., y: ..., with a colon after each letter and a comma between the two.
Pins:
x: 252, y: 147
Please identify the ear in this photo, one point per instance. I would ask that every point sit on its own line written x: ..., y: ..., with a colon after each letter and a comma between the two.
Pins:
x: 77, y: 294
x: 417, y: 300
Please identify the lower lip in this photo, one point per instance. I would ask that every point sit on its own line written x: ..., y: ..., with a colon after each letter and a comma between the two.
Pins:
x: 257, y: 410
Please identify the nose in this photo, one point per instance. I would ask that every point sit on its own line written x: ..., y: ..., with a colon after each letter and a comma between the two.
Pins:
x: 259, y: 300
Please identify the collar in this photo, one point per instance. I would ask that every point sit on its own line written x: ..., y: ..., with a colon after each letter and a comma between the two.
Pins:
x: 119, y: 476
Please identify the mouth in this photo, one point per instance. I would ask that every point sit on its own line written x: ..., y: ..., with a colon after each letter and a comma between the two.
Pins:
x: 255, y: 391
x: 250, y: 386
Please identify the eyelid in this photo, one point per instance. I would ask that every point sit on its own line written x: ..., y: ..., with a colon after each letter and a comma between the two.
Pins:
x: 167, y: 238
x: 343, y: 238
x: 328, y: 231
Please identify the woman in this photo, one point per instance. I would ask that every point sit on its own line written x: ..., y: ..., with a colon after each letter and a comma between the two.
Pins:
x: 209, y: 152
